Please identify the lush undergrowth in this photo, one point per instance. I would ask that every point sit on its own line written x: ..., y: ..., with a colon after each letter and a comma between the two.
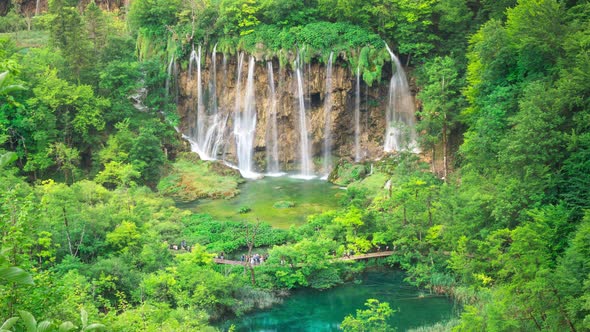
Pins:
x: 28, y: 38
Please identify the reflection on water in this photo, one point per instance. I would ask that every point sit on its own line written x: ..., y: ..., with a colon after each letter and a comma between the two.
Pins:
x: 323, y: 311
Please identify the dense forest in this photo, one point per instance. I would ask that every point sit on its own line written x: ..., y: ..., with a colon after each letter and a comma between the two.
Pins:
x: 88, y: 151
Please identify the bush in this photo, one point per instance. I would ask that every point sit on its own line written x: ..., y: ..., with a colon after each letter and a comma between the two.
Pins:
x: 227, y: 236
x: 12, y: 22
x: 283, y: 204
x: 42, y: 22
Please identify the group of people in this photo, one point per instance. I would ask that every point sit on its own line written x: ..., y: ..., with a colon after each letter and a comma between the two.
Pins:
x: 254, y: 259
x: 181, y: 246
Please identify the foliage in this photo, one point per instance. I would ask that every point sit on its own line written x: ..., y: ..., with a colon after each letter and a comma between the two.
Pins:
x: 345, y: 172
x: 283, y: 204
x: 227, y: 236
x: 374, y: 318
x: 191, y: 179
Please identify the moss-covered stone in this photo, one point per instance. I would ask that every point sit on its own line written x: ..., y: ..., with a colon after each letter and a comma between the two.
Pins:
x: 347, y: 172
x: 283, y: 204
x: 191, y: 178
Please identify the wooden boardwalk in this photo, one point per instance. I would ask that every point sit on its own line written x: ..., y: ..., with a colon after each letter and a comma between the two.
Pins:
x: 351, y: 258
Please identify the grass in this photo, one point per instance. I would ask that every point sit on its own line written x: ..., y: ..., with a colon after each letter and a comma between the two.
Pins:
x: 372, y: 183
x: 27, y: 39
x: 191, y: 179
x: 347, y: 173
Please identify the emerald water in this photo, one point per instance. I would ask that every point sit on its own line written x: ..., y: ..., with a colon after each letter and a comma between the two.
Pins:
x: 323, y: 311
x: 261, y: 197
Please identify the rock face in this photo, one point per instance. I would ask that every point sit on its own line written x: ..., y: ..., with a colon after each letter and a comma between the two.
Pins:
x: 30, y: 8
x: 218, y: 99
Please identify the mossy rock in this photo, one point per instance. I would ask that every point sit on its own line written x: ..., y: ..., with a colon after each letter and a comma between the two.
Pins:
x: 190, y: 178
x: 347, y: 172
x: 283, y: 204
x: 221, y: 169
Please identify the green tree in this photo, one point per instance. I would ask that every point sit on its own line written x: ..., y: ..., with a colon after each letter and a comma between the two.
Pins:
x: 239, y: 17
x: 374, y: 318
x: 68, y: 34
x: 154, y: 15
x: 536, y: 29
x: 412, y: 31
x: 441, y: 103
x: 97, y: 30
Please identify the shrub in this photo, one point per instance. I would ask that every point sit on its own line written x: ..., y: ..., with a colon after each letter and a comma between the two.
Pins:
x: 283, y: 204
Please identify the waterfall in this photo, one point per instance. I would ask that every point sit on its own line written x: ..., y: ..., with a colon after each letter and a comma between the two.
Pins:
x: 272, y: 142
x: 214, y: 135
x: 306, y: 167
x: 357, y: 116
x: 192, y: 59
x: 213, y: 85
x: 199, y: 133
x: 169, y: 76
x: 400, y: 133
x: 328, y: 118
x: 201, y: 116
x: 245, y: 122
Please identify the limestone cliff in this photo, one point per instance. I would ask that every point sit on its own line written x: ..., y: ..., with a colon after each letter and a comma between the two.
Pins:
x: 373, y: 103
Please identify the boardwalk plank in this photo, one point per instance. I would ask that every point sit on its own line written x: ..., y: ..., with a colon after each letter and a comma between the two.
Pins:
x: 351, y: 258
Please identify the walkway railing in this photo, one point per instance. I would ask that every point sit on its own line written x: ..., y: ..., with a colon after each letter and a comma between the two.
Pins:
x: 350, y: 258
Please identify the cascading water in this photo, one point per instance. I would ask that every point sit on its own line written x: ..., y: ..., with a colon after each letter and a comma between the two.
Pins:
x: 306, y: 167
x: 245, y: 124
x: 201, y: 116
x: 328, y: 119
x: 192, y: 59
x: 213, y: 128
x: 357, y: 116
x: 214, y: 136
x: 199, y: 134
x: 169, y: 77
x: 400, y: 133
x: 272, y: 142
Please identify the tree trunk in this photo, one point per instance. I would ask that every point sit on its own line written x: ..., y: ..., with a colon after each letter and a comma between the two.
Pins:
x: 250, y: 242
x: 68, y: 231
x: 445, y: 150
x: 405, y: 219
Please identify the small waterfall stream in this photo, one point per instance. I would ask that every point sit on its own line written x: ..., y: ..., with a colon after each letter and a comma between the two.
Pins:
x: 272, y: 141
x: 357, y: 116
x: 170, y: 77
x: 328, y: 118
x: 214, y: 135
x: 306, y: 166
x: 400, y: 132
x: 245, y: 125
x: 201, y: 116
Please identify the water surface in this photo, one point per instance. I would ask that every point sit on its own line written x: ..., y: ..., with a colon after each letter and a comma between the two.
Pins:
x: 323, y: 311
x: 260, y: 196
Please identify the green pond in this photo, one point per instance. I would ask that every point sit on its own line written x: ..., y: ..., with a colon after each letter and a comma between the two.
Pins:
x: 322, y: 311
x: 267, y: 197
